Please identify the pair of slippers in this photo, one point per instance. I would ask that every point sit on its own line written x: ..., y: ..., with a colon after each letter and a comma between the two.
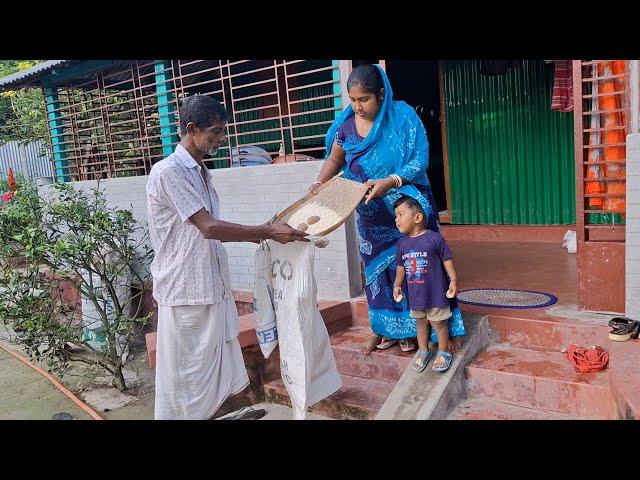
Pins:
x: 623, y: 329
x: 422, y: 359
x: 406, y: 345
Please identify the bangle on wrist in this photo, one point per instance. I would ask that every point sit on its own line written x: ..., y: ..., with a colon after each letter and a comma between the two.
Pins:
x: 397, y: 180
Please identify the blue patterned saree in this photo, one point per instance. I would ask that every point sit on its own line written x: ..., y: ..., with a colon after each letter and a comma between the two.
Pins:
x: 397, y: 143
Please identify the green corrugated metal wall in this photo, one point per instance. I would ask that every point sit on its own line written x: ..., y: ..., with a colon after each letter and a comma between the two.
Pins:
x: 511, y: 158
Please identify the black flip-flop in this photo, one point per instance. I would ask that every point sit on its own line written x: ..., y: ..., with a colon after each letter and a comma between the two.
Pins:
x: 623, y: 329
x: 248, y: 413
x: 617, y: 322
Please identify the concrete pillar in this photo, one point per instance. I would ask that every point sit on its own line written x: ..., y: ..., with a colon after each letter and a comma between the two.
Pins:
x: 24, y: 165
x: 632, y: 228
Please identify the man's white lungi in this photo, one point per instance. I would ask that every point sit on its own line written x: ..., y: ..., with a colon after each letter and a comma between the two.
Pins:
x: 199, y: 360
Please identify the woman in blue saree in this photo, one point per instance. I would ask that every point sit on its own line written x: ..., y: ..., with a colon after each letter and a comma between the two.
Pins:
x: 383, y: 143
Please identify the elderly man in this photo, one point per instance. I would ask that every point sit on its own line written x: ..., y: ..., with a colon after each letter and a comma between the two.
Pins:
x: 199, y: 360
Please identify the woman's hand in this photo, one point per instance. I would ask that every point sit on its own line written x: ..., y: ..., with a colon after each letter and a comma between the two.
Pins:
x: 313, y: 189
x: 379, y: 188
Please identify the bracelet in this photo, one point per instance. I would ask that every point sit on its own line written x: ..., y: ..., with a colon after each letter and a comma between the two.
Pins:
x: 317, y: 182
x: 397, y: 179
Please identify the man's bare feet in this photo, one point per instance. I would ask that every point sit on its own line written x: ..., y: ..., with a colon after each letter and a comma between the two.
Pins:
x: 370, y: 344
x: 454, y: 344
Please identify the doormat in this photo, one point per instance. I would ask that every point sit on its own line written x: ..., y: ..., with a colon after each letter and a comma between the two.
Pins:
x: 505, y: 298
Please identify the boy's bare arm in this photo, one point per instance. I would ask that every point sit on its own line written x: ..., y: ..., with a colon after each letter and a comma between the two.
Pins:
x: 399, y: 276
x: 453, y: 278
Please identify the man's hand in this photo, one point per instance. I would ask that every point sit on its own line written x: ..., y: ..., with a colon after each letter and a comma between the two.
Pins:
x: 283, y: 233
x: 397, y: 294
x: 379, y: 188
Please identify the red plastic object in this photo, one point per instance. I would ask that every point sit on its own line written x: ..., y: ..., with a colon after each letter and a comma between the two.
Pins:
x: 587, y: 360
x: 11, y: 180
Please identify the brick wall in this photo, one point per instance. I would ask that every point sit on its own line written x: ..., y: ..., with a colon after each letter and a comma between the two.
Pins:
x: 252, y: 195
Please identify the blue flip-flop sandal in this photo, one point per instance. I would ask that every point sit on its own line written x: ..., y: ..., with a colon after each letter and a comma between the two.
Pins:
x: 447, y: 362
x: 427, y: 354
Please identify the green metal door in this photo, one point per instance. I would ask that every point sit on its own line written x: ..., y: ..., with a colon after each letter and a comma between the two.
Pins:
x: 511, y: 158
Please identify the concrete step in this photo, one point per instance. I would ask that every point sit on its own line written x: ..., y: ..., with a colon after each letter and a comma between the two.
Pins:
x: 624, y: 358
x: 336, y: 316
x: 387, y: 365
x: 358, y: 399
x: 550, y: 334
x: 360, y: 312
x: 430, y: 395
x: 539, y: 380
x: 482, y: 408
x: 546, y: 334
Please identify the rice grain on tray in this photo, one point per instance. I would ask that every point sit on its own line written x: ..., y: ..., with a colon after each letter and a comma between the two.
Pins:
x: 327, y: 217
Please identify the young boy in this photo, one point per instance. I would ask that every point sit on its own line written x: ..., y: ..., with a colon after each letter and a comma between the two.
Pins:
x: 420, y: 256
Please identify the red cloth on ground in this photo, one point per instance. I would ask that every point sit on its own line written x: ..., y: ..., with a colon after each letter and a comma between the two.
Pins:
x: 563, y: 87
x: 587, y: 360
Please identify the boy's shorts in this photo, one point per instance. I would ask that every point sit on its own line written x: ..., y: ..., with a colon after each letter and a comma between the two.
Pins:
x: 437, y: 314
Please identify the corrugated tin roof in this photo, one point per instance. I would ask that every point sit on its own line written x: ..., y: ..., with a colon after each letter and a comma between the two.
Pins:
x: 30, y: 76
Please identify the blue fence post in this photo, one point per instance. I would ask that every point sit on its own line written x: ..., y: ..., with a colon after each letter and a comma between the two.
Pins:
x: 337, y: 100
x: 57, y: 133
x: 166, y: 108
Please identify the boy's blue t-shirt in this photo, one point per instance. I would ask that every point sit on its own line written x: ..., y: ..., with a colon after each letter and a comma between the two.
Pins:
x: 422, y: 258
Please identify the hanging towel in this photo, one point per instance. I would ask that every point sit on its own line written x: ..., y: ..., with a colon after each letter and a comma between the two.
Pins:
x: 562, y: 100
x: 614, y: 133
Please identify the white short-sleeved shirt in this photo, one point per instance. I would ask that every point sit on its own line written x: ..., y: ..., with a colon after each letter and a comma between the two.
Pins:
x: 187, y: 269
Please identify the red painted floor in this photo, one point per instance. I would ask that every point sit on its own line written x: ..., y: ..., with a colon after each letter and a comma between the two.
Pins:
x: 543, y: 267
x: 528, y: 266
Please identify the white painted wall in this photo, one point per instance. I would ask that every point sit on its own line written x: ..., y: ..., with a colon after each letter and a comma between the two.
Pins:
x: 252, y: 195
x: 632, y: 245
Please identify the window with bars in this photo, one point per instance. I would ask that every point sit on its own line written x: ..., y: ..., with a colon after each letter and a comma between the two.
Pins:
x: 120, y: 120
x: 602, y: 111
x: 105, y: 124
x: 281, y: 106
